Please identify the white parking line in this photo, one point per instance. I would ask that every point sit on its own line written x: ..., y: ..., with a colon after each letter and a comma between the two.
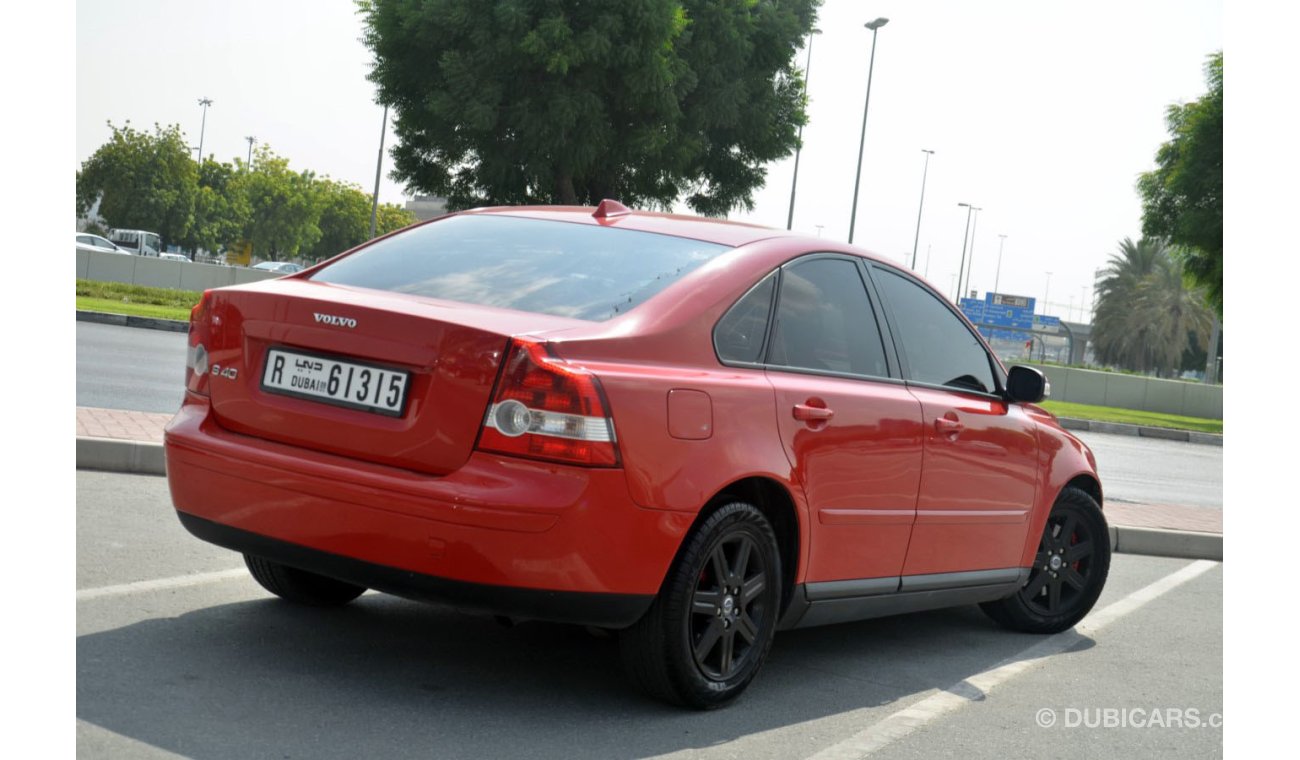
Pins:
x: 898, y: 725
x: 140, y: 587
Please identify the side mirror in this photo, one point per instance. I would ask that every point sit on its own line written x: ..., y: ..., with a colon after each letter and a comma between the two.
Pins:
x: 1027, y: 384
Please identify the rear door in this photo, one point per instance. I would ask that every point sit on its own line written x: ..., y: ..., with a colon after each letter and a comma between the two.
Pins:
x: 981, y: 452
x: 850, y: 428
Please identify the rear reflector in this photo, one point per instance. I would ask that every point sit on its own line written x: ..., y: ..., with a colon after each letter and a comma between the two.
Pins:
x: 546, y: 408
x: 196, y: 353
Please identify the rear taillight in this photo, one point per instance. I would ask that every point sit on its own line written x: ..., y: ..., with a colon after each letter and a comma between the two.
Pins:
x: 546, y: 408
x: 196, y: 353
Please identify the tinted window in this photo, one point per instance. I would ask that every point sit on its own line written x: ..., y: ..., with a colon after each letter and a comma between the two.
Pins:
x: 824, y: 321
x: 739, y: 334
x: 560, y: 268
x: 937, y: 344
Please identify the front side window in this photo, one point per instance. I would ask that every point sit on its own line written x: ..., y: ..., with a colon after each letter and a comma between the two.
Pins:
x: 939, y: 348
x: 824, y: 321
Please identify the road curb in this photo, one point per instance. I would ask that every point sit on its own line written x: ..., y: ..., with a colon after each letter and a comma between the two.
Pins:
x: 1159, y: 542
x: 123, y: 320
x: 141, y: 458
x: 116, y: 455
x: 1143, y: 431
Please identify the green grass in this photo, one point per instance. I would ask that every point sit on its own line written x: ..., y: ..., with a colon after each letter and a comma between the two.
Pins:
x: 136, y: 300
x: 1132, y: 417
x: 132, y: 309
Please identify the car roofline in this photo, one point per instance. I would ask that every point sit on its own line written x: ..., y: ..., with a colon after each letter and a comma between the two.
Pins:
x: 718, y: 231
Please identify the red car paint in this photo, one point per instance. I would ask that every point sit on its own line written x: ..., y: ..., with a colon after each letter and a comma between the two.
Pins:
x: 898, y: 479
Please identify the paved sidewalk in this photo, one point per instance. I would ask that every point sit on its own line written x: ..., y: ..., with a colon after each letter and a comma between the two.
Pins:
x: 120, y: 425
x: 117, y: 440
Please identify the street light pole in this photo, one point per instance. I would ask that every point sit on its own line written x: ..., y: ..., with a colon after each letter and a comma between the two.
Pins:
x: 251, y: 139
x: 794, y: 183
x: 971, y: 264
x: 997, y: 277
x: 1046, y: 289
x: 379, y: 165
x: 205, y: 102
x: 964, y: 234
x: 874, y: 26
x: 916, y: 242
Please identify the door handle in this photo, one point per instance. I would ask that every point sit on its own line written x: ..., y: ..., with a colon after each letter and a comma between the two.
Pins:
x: 807, y: 413
x: 948, y: 427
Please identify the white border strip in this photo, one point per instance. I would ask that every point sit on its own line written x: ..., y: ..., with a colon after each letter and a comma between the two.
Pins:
x: 898, y: 725
x: 161, y: 584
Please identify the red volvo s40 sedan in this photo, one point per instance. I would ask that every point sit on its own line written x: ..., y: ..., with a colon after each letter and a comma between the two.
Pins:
x: 691, y: 431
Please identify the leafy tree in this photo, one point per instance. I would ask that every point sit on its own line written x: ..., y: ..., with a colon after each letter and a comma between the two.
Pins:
x: 1182, y: 199
x: 95, y: 228
x: 345, y: 219
x: 221, y: 208
x: 144, y: 181
x: 391, y: 217
x: 1147, y: 316
x: 283, y: 212
x: 564, y: 101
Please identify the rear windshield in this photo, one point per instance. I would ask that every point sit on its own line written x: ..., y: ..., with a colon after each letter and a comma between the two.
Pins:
x: 559, y: 268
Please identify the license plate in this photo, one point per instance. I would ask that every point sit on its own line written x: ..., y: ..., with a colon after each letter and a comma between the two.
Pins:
x: 319, y: 378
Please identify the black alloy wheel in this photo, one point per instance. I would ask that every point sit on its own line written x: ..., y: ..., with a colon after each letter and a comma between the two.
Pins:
x: 1068, y: 573
x: 727, y: 601
x: 710, y: 628
x: 1058, y: 580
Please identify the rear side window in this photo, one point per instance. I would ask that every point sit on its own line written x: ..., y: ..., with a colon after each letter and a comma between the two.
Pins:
x: 824, y: 321
x: 559, y: 268
x: 939, y: 348
x: 739, y: 334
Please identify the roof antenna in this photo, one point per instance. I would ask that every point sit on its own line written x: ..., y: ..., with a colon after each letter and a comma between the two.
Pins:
x: 609, y: 208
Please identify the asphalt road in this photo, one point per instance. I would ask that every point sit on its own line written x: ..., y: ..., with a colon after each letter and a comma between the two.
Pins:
x: 129, y: 368
x: 1155, y: 471
x: 142, y: 370
x: 179, y: 653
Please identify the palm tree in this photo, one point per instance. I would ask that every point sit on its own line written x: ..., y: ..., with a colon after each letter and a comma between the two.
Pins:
x: 1145, y: 309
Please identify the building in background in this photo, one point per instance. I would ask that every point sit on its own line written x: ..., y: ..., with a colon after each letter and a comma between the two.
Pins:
x: 426, y: 207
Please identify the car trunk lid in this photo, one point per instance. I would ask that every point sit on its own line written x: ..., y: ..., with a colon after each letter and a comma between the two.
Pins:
x: 276, y: 344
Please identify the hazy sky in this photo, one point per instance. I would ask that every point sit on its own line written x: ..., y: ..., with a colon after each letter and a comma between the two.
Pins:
x: 1041, y: 113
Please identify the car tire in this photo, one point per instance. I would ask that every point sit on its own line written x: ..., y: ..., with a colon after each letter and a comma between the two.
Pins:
x: 709, y: 630
x: 1068, y: 573
x: 300, y: 586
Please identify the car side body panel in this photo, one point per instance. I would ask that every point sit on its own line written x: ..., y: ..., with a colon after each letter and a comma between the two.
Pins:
x: 1063, y: 459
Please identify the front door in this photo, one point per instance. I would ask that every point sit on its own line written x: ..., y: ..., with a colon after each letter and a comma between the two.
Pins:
x: 981, y: 452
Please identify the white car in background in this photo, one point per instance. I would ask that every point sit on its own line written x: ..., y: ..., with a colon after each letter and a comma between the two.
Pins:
x: 282, y: 267
x: 88, y: 242
x: 173, y: 256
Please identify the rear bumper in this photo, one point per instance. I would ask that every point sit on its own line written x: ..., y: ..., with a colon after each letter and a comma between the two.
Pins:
x: 581, y: 608
x: 507, y: 536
